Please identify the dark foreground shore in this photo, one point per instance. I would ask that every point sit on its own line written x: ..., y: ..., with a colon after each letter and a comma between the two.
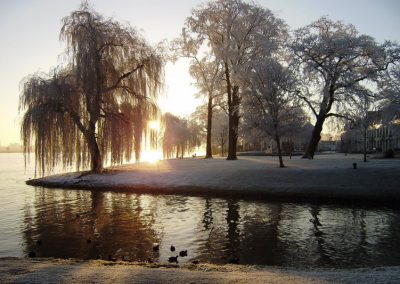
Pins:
x: 329, y: 178
x: 14, y: 270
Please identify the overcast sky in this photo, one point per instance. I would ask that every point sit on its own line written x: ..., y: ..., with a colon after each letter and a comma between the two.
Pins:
x: 29, y: 42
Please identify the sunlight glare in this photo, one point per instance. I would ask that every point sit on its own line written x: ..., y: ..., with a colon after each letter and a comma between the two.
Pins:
x: 155, y: 125
x: 151, y: 156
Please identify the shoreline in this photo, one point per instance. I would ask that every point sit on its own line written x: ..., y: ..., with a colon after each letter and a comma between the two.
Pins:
x: 328, y: 178
x: 21, y: 270
x: 309, y: 195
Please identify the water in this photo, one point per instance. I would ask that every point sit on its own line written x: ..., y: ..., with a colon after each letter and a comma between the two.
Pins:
x: 125, y: 226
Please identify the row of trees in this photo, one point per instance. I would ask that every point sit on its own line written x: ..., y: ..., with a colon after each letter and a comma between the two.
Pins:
x: 180, y: 136
x: 245, y: 61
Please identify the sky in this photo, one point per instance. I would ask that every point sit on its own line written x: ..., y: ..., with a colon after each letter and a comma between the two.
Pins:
x: 29, y: 39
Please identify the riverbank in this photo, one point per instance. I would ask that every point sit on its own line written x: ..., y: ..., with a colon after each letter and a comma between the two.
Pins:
x: 13, y: 270
x: 329, y: 177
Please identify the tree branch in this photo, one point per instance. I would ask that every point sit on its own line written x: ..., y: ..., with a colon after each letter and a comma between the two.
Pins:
x: 338, y: 116
x: 308, y: 103
x: 124, y: 76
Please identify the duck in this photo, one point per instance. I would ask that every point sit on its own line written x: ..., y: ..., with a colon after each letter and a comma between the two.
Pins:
x: 172, y: 248
x: 234, y: 261
x: 111, y: 258
x: 156, y: 247
x: 173, y: 259
x: 183, y: 253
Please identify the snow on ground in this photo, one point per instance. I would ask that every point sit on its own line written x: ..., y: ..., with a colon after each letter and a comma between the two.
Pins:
x: 327, y: 176
x: 74, y: 271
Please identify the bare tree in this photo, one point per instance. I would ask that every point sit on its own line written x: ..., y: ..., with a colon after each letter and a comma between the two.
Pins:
x: 336, y: 59
x: 206, y: 69
x: 269, y: 106
x: 389, y: 94
x: 99, y: 102
x: 237, y: 33
x: 361, y: 116
x: 389, y: 86
x: 208, y: 74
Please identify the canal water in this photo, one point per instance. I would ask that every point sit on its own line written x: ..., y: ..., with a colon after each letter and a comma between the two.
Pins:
x: 90, y: 224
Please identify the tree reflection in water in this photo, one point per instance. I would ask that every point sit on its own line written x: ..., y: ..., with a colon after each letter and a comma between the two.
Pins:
x: 91, y: 224
x: 66, y: 220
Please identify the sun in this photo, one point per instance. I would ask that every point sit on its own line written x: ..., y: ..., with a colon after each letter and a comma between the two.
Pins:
x: 152, y: 153
x: 155, y: 125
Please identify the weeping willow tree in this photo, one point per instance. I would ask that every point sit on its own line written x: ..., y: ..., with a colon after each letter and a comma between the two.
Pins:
x: 99, y: 102
x: 180, y: 136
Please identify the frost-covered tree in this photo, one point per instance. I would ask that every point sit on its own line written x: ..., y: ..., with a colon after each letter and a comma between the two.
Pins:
x: 389, y: 94
x: 270, y: 107
x: 335, y: 59
x: 237, y: 33
x: 98, y: 102
x: 390, y: 86
x: 207, y: 73
x: 206, y: 70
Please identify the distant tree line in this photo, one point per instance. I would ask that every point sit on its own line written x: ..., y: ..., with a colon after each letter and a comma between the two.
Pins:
x: 11, y: 148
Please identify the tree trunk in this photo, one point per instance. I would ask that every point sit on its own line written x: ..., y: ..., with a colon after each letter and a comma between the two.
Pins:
x: 233, y: 113
x: 96, y: 163
x: 315, y: 138
x: 96, y: 160
x: 278, y: 145
x: 209, y: 125
x: 138, y: 132
x: 365, y: 144
x: 324, y: 109
x: 137, y: 151
x: 233, y: 124
x: 365, y: 127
